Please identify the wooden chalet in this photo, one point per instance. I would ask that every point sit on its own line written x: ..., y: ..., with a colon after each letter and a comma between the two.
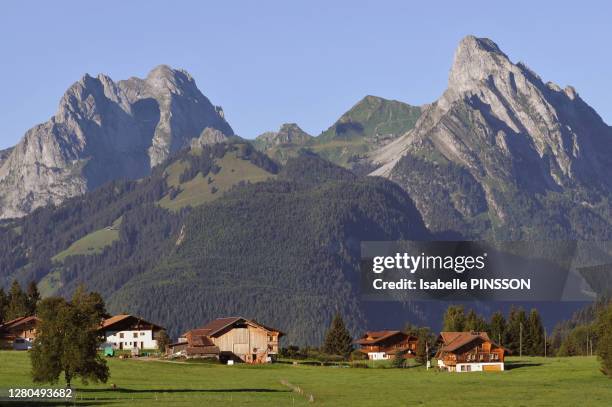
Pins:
x: 380, y: 345
x: 235, y: 338
x: 129, y: 332
x: 469, y: 352
x: 19, y: 333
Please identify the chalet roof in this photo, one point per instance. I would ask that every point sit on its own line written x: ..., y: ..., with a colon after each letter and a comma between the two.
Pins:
x: 109, y: 322
x: 18, y: 321
x: 452, y: 341
x: 217, y: 325
x: 372, y: 337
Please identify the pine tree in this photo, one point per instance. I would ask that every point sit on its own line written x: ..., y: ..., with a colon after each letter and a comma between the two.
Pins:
x: 517, y: 323
x: 398, y: 359
x: 17, y: 302
x: 424, y: 344
x: 33, y: 296
x: 475, y: 322
x: 68, y: 340
x: 3, y: 305
x: 535, y: 334
x: 604, y: 339
x: 338, y: 340
x: 497, y: 328
x: 454, y: 319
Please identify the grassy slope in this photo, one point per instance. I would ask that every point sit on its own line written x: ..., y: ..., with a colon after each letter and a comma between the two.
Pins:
x: 533, y: 382
x: 198, y: 191
x: 92, y: 243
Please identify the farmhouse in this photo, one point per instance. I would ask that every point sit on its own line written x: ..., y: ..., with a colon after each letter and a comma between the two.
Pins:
x: 129, y: 332
x: 469, y: 352
x: 19, y: 333
x: 385, y: 344
x: 236, y: 338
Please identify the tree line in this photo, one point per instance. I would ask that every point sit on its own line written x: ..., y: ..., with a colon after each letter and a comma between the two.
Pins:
x: 17, y: 302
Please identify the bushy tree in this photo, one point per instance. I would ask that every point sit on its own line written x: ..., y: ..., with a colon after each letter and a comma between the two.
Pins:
x: 454, y: 319
x: 68, y: 340
x: 338, y: 340
x: 162, y: 341
x: 604, y: 340
x: 426, y: 340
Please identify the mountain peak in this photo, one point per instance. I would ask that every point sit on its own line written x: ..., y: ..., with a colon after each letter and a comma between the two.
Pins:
x: 289, y: 133
x: 475, y: 60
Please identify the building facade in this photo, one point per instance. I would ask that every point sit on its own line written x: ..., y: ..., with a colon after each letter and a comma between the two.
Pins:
x: 380, y: 345
x: 19, y: 333
x: 129, y: 332
x: 235, y: 338
x: 469, y: 352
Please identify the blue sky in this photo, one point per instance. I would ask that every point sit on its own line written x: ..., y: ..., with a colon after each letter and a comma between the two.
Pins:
x: 269, y: 62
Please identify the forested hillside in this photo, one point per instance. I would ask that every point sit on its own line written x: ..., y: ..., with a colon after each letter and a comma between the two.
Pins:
x: 284, y: 251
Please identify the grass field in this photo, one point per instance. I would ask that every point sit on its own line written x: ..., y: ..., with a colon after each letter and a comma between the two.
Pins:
x: 527, y: 382
x: 92, y: 243
x: 199, y: 191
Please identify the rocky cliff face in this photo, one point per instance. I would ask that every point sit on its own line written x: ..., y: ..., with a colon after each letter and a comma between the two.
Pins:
x: 104, y: 130
x: 500, y: 148
x: 289, y: 133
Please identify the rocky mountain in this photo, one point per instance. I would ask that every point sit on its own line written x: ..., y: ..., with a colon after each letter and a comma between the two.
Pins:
x: 370, y: 124
x: 284, y: 143
x: 288, y: 134
x: 503, y: 153
x: 104, y: 130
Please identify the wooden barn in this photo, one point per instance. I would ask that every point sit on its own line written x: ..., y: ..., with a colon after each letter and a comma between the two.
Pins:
x: 469, y: 352
x: 380, y: 345
x: 235, y: 338
x: 19, y: 333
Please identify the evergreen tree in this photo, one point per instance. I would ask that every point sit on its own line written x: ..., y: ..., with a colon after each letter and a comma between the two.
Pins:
x: 33, y: 296
x: 454, y: 319
x: 68, y: 340
x: 162, y: 341
x: 3, y: 305
x: 17, y: 302
x: 517, y: 329
x: 399, y: 359
x: 425, y: 343
x: 604, y: 340
x: 497, y: 328
x: 475, y: 322
x: 338, y: 340
x: 535, y: 334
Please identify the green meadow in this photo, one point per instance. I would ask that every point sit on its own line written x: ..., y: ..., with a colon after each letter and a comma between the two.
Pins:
x: 527, y: 382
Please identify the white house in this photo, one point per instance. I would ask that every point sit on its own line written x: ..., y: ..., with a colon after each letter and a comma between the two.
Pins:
x: 129, y: 332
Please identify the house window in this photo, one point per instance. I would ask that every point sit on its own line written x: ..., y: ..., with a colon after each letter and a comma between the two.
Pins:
x: 135, y: 335
x: 142, y: 334
x: 121, y: 335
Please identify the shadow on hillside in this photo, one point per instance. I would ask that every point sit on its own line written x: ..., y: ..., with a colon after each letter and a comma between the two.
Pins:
x: 144, y: 391
x: 520, y: 365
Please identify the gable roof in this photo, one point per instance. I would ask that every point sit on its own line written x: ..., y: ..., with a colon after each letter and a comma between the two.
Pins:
x: 217, y: 325
x: 109, y: 322
x: 372, y: 337
x: 18, y: 321
x: 452, y: 341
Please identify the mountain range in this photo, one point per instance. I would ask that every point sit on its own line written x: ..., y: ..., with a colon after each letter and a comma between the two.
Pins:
x: 141, y: 190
